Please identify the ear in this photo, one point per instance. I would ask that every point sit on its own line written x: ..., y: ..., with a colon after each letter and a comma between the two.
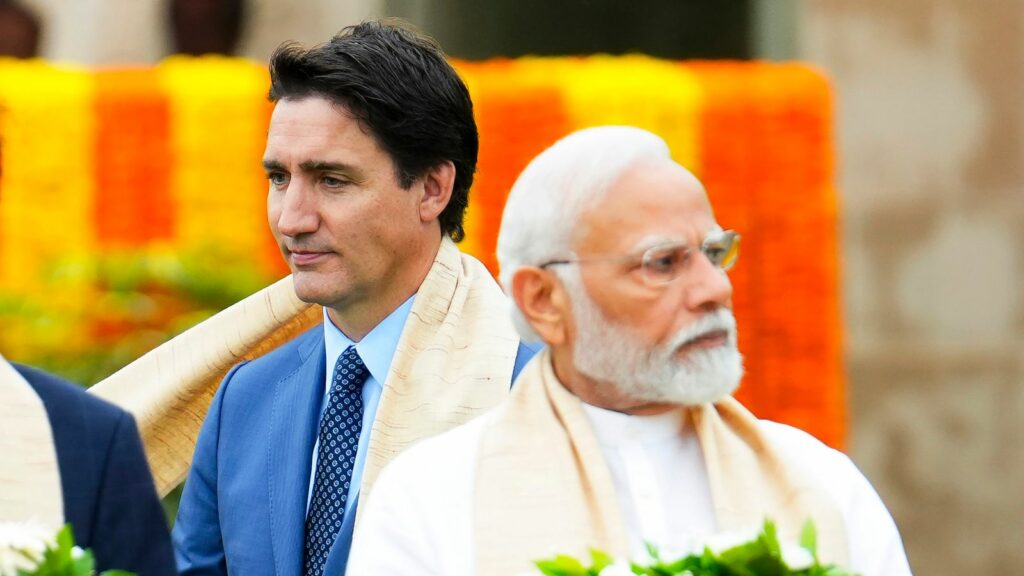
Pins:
x: 543, y: 302
x: 438, y: 182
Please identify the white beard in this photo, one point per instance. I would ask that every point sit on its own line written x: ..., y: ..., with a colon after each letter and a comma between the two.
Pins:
x: 612, y: 353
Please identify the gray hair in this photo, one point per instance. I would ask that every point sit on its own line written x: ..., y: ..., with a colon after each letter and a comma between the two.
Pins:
x: 541, y: 217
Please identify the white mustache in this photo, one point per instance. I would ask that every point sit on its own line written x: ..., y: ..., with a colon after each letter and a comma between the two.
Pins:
x: 720, y: 320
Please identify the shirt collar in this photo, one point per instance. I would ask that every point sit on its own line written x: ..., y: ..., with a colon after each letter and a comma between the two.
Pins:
x: 376, y: 349
x: 616, y: 429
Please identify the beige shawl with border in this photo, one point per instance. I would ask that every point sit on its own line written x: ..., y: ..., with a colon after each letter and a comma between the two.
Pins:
x: 170, y: 388
x: 30, y: 488
x: 454, y: 360
x: 542, y: 484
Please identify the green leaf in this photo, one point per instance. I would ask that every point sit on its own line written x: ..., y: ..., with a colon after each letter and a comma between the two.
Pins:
x: 761, y: 556
x: 770, y: 538
x: 809, y: 539
x: 599, y: 561
x: 561, y: 565
x: 59, y: 559
x: 84, y: 565
x: 65, y: 539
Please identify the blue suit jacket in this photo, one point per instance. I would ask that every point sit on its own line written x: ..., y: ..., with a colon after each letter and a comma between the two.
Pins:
x: 109, y: 497
x: 243, y: 510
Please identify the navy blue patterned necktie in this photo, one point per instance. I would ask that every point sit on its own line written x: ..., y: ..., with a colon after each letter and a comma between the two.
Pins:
x: 336, y: 456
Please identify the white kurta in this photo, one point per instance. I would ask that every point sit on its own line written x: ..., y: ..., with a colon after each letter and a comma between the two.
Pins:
x: 420, y: 519
x: 659, y: 477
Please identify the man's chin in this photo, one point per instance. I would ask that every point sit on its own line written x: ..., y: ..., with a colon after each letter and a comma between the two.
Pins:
x: 708, y: 381
x: 311, y: 292
x: 309, y: 299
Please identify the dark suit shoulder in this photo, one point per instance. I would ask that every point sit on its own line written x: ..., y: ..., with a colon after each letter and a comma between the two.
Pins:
x: 69, y: 405
x: 83, y: 427
x: 109, y: 498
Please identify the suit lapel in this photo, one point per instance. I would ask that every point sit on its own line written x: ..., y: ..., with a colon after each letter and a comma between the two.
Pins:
x: 293, y: 426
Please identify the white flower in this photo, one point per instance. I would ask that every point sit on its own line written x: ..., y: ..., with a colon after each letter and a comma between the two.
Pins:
x: 796, y: 557
x: 17, y: 540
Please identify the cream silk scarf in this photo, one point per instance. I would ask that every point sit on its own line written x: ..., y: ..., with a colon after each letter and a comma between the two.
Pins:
x: 454, y: 359
x: 542, y: 485
x: 29, y: 475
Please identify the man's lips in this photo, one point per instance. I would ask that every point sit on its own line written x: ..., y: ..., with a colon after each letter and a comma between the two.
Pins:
x: 305, y: 257
x: 712, y: 339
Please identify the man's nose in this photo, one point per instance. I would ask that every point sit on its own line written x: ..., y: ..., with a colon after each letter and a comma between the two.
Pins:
x: 299, y: 211
x: 708, y: 287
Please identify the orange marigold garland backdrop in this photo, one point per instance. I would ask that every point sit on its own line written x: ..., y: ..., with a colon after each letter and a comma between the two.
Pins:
x: 219, y: 117
x: 165, y: 161
x: 516, y: 120
x: 133, y: 159
x: 767, y: 163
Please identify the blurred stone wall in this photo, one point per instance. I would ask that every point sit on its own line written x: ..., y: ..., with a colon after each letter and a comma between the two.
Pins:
x: 110, y: 32
x: 931, y: 131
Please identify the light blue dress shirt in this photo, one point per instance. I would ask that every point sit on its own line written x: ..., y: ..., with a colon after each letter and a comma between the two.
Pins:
x: 376, y: 349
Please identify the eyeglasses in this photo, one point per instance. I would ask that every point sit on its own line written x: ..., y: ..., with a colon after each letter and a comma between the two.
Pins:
x: 665, y: 263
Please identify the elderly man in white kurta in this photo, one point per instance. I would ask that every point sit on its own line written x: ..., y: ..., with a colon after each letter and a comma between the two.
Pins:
x: 623, y: 431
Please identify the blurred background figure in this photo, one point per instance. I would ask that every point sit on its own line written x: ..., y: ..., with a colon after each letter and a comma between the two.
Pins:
x: 133, y: 32
x: 19, y: 30
x: 206, y: 26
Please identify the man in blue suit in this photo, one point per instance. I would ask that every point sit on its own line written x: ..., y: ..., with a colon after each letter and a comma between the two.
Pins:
x: 370, y: 155
x: 108, y: 492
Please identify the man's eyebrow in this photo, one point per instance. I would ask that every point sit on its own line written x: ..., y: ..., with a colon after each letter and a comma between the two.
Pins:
x: 273, y: 166
x: 309, y: 166
x: 653, y: 240
x: 323, y: 165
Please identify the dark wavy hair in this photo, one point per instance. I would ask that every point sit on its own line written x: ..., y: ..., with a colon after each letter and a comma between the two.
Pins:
x: 400, y: 86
